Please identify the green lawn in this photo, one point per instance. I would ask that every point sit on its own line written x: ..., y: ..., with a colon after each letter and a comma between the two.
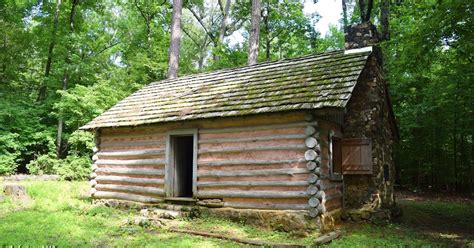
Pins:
x: 61, y: 214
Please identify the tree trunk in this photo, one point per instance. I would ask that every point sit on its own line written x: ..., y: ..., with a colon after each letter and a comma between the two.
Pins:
x: 175, y: 41
x: 385, y: 18
x: 225, y: 17
x: 65, y: 82
x: 344, y: 15
x: 49, y: 61
x: 254, y: 32
x: 267, y: 33
x: 365, y: 11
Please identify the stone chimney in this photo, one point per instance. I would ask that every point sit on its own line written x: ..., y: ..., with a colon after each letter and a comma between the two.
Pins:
x: 361, y: 35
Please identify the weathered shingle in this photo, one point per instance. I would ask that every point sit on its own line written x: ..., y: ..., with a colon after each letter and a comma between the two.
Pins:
x: 311, y: 82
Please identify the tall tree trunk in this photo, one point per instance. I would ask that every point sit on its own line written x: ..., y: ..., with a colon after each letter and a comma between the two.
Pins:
x: 365, y: 11
x: 202, y: 53
x: 254, y: 32
x: 385, y: 19
x: 65, y: 82
x: 344, y: 15
x: 175, y: 41
x: 267, y: 33
x: 223, y: 29
x: 49, y: 61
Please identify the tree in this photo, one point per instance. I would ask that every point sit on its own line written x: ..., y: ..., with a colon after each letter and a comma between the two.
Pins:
x: 254, y: 32
x: 365, y: 9
x: 175, y: 42
x: 384, y: 19
x: 49, y: 61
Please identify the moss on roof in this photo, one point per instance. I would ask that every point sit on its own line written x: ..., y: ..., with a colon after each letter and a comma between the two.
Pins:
x: 311, y: 82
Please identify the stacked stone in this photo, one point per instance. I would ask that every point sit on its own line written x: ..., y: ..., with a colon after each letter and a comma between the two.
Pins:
x: 361, y: 35
x: 93, y: 175
x: 313, y: 164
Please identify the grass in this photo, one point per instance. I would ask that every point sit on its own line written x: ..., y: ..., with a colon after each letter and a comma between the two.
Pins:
x: 60, y: 214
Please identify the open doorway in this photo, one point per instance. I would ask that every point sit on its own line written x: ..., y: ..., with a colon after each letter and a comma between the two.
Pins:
x: 182, y: 165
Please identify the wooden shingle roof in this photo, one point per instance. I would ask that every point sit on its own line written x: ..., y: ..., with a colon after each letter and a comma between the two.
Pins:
x: 311, y: 82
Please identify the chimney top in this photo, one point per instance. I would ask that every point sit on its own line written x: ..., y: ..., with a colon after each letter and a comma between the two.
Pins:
x: 361, y: 35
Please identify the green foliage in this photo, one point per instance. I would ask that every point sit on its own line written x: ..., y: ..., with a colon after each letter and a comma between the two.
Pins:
x: 9, y: 152
x: 430, y: 68
x: 81, y: 143
x: 74, y: 168
x: 44, y: 164
x: 62, y: 215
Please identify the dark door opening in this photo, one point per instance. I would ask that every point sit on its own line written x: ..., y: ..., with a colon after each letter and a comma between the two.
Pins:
x: 183, y: 166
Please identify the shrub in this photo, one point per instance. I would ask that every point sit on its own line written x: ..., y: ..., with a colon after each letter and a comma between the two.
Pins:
x: 81, y: 143
x: 9, y: 153
x: 44, y: 164
x: 7, y: 164
x: 74, y: 168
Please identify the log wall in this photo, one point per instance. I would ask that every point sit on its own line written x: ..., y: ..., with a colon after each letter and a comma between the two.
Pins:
x: 248, y: 162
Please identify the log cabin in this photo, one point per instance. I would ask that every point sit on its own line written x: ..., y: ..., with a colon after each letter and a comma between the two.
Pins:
x: 310, y: 135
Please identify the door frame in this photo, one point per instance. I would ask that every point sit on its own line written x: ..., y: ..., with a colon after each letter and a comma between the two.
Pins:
x: 169, y: 160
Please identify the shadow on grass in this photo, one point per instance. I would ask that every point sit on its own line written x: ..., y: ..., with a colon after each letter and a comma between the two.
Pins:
x: 443, y: 221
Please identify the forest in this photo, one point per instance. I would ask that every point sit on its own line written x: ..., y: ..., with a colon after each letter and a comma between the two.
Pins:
x: 64, y: 62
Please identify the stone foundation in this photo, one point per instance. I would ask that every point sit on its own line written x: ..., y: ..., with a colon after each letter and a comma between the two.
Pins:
x: 294, y: 222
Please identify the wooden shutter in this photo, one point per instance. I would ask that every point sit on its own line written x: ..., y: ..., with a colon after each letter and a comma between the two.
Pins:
x: 357, y: 156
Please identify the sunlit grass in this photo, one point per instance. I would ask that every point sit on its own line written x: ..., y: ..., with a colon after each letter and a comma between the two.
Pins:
x: 61, y: 214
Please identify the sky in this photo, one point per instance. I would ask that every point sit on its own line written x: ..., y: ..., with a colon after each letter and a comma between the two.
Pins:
x: 329, y: 10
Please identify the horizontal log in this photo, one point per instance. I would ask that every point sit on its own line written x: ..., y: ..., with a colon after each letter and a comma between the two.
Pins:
x: 253, y: 139
x: 258, y: 148
x: 152, y: 172
x: 95, y: 157
x: 321, y: 195
x: 313, y: 178
x: 131, y: 162
x: 311, y: 165
x: 132, y: 134
x: 126, y: 197
x: 256, y: 127
x: 211, y: 204
x: 251, y: 194
x: 313, y: 212
x: 310, y: 155
x: 328, y: 237
x: 266, y: 206
x: 253, y: 172
x: 312, y: 190
x: 93, y: 175
x: 250, y: 183
x: 131, y: 189
x: 129, y: 180
x: 92, y: 191
x: 311, y: 142
x: 132, y: 143
x: 130, y: 153
x: 249, y: 162
x: 309, y: 130
x: 314, y: 202
x: 93, y: 183
x: 246, y: 242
